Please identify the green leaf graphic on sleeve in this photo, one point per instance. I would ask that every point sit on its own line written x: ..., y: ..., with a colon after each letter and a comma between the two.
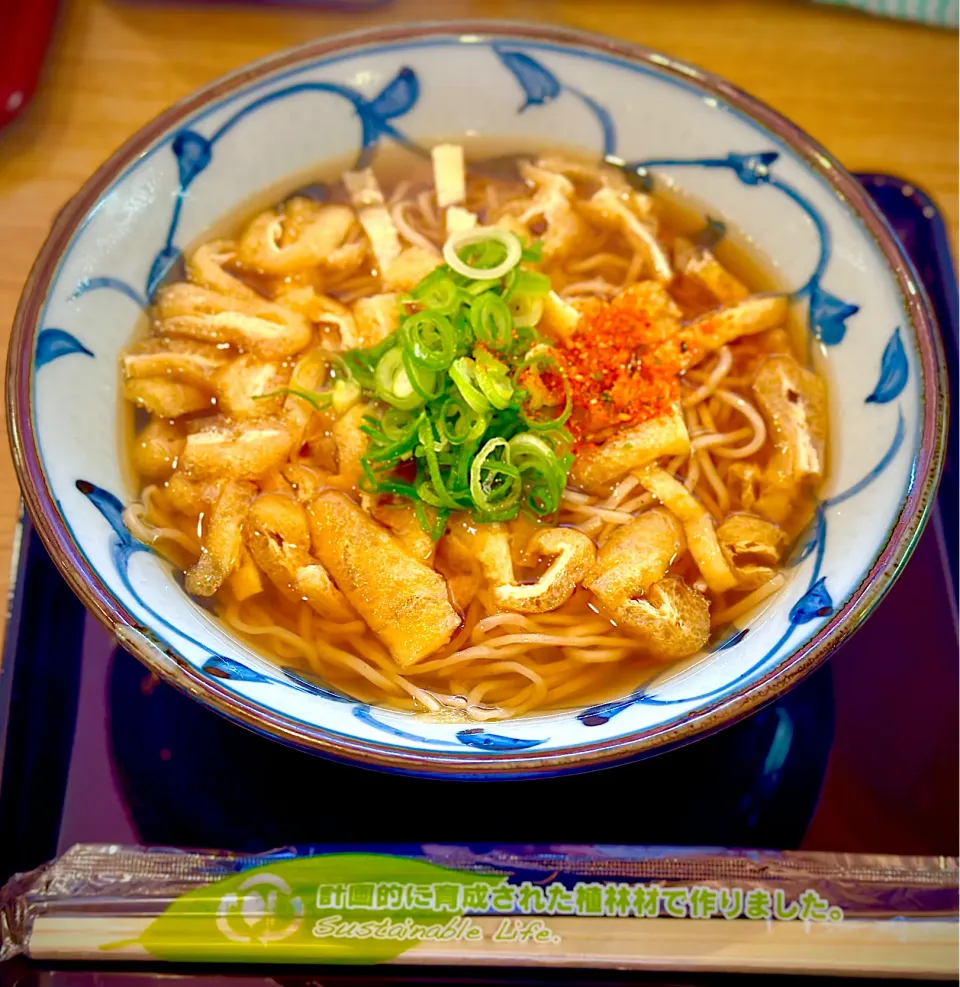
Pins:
x: 335, y: 908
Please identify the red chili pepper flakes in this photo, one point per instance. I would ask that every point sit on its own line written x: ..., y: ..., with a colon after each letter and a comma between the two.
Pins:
x: 624, y: 361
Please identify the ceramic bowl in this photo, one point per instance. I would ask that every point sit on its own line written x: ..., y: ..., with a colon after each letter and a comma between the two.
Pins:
x: 869, y: 325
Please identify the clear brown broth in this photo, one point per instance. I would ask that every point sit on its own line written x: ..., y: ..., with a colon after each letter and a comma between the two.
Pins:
x: 680, y: 215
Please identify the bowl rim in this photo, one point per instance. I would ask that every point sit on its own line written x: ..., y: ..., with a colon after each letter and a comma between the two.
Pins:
x: 712, y: 716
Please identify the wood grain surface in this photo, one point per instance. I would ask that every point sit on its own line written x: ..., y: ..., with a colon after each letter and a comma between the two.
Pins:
x: 882, y: 95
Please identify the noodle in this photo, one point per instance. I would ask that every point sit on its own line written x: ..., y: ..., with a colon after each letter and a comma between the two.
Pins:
x: 595, y: 287
x: 713, y: 480
x: 720, y: 370
x: 597, y: 261
x: 425, y: 201
x: 756, y: 422
x: 407, y: 231
x: 728, y: 614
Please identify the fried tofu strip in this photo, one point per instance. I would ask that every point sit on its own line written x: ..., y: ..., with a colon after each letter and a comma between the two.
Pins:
x: 205, y: 268
x: 560, y: 319
x: 409, y: 268
x: 459, y: 219
x: 402, y: 521
x: 375, y: 317
x: 552, y: 204
x: 223, y: 540
x: 243, y: 383
x: 631, y: 449
x: 794, y: 403
x: 255, y: 325
x: 181, y: 360
x: 711, y: 331
x: 166, y: 398
x: 449, y: 175
x: 364, y: 191
x: 613, y: 209
x: 671, y: 621
x: 637, y: 555
x: 321, y: 238
x: 278, y: 538
x: 752, y: 547
x: 238, y: 451
x: 403, y: 601
x: 157, y: 449
x: 702, y: 267
x: 697, y: 526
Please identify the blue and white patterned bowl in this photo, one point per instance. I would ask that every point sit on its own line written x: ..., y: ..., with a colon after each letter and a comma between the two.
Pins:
x: 870, y: 327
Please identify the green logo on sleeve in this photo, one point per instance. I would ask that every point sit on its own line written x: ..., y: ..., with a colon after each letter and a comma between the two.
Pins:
x: 337, y: 908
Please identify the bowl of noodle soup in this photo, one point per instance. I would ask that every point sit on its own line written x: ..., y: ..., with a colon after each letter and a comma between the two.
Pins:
x: 380, y: 421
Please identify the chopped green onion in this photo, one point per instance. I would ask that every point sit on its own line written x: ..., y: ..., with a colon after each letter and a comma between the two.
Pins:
x: 346, y: 393
x: 436, y: 528
x: 542, y: 475
x: 494, y: 481
x: 559, y: 440
x: 392, y: 383
x: 464, y: 375
x: 429, y: 338
x: 454, y: 251
x: 526, y: 310
x: 398, y: 423
x: 426, y: 383
x: 360, y: 364
x: 528, y: 283
x: 438, y: 495
x: 439, y: 293
x: 459, y: 418
x: 457, y: 422
x: 479, y: 287
x: 491, y: 321
x: 533, y: 254
x: 493, y: 379
x: 372, y: 484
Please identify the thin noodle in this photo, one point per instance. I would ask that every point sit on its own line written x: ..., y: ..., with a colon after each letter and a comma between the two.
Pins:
x: 576, y: 497
x: 752, y: 416
x: 705, y: 441
x: 637, y: 505
x: 729, y: 614
x: 634, y: 270
x: 716, y: 484
x: 720, y: 370
x: 399, y: 193
x: 598, y: 260
x: 142, y: 530
x: 595, y: 655
x: 406, y: 230
x: 595, y: 287
x: 425, y: 201
x: 590, y: 526
x: 703, y: 494
x: 620, y: 492
x: 693, y: 475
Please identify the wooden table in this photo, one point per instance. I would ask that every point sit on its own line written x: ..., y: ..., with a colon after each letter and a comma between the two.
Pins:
x: 881, y: 95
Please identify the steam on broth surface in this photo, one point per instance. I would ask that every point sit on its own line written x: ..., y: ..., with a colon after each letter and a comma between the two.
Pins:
x: 474, y: 440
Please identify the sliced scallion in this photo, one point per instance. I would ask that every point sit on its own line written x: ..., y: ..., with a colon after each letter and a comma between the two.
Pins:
x: 392, y: 383
x: 464, y: 375
x: 458, y: 243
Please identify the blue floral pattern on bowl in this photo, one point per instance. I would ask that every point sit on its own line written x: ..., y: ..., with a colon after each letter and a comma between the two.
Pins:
x: 865, y: 332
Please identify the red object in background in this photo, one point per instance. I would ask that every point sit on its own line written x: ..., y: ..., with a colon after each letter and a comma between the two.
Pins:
x: 26, y: 27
